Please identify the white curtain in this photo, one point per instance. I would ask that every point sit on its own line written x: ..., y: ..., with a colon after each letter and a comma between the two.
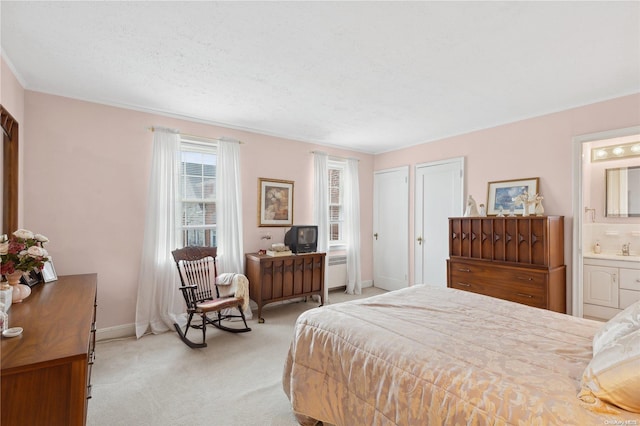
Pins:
x: 321, y: 209
x: 229, y: 208
x: 352, y: 226
x: 159, y: 302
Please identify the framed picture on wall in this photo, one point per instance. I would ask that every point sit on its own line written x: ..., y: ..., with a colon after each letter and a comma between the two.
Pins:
x: 275, y: 202
x: 501, y: 194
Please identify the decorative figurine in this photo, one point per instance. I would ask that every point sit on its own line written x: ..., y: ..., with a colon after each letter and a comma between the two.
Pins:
x: 472, y: 208
x: 539, y: 209
x: 526, y: 202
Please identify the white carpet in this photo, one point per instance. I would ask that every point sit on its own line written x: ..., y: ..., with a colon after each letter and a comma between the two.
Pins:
x: 236, y: 380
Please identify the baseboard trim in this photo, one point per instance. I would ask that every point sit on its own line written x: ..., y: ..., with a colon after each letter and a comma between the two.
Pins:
x: 117, y: 332
x: 129, y: 330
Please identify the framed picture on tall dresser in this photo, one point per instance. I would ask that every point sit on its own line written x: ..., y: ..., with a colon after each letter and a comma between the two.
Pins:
x: 500, y: 195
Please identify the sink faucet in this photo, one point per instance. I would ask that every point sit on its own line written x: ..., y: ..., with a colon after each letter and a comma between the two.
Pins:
x: 625, y: 249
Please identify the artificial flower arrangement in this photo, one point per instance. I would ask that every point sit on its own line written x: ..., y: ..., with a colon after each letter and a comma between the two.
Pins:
x: 23, y: 251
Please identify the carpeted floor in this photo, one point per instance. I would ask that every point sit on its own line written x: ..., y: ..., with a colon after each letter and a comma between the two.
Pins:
x: 236, y: 380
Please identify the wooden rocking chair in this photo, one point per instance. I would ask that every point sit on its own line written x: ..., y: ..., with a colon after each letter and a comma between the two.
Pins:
x: 198, y: 272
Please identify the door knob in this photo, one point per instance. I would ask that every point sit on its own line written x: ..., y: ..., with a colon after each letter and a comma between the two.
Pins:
x: 419, y: 240
x: 376, y: 235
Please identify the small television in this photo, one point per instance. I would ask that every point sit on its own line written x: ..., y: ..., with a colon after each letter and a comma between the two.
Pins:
x: 302, y: 238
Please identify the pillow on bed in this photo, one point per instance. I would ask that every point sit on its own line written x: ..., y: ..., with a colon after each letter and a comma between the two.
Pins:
x: 622, y: 324
x: 613, y: 375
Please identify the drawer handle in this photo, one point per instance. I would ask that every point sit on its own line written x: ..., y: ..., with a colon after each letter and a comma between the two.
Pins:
x: 524, y: 295
x: 464, y: 269
x: 464, y: 284
x: 525, y: 278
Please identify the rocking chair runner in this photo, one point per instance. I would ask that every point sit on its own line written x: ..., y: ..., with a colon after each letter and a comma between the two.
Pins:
x: 198, y: 272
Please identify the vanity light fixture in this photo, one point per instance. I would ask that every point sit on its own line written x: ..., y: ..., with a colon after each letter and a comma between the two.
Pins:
x: 615, y: 152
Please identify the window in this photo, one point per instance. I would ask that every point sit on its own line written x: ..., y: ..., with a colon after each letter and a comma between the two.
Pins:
x: 336, y: 207
x: 198, y: 193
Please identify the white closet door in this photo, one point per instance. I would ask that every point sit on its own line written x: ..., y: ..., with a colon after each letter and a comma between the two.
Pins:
x: 391, y: 228
x: 439, y: 196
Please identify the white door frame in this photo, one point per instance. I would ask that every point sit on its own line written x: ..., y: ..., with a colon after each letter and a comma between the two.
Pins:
x: 417, y: 219
x: 577, y: 295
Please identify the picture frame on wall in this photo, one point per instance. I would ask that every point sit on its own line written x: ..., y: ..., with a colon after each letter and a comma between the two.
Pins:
x: 500, y: 195
x: 275, y: 202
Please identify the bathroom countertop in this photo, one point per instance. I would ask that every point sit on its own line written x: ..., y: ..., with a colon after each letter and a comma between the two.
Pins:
x: 633, y: 257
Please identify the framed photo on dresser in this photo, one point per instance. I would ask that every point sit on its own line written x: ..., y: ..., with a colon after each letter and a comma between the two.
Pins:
x: 500, y: 195
x: 49, y: 272
x: 31, y: 278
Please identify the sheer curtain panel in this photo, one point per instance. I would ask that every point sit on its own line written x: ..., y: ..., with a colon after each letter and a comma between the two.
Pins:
x: 229, y: 206
x: 159, y: 303
x: 352, y: 226
x: 321, y: 209
x: 229, y: 210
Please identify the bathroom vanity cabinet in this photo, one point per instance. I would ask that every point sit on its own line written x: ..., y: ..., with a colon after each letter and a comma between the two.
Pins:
x: 610, y: 285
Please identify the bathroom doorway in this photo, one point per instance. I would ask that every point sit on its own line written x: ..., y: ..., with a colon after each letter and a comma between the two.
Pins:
x: 592, y: 225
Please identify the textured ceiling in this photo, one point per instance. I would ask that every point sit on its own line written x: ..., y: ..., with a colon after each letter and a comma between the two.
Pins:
x: 369, y: 76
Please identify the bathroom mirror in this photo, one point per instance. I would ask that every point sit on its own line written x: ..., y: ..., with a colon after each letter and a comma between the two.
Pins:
x: 623, y: 192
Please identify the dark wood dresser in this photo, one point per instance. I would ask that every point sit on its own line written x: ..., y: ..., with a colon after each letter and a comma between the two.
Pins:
x: 46, y: 371
x: 276, y: 278
x: 520, y: 259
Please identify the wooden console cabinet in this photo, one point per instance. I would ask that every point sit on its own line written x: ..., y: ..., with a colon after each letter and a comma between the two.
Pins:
x: 520, y: 259
x: 276, y: 278
x: 46, y: 371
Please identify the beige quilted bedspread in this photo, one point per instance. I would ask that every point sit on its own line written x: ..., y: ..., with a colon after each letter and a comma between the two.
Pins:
x: 439, y: 356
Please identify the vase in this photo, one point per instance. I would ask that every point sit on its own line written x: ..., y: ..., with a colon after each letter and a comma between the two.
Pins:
x: 20, y: 291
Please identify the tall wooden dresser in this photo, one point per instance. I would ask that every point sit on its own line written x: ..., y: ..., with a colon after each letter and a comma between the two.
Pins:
x: 46, y: 371
x: 272, y: 279
x: 520, y: 259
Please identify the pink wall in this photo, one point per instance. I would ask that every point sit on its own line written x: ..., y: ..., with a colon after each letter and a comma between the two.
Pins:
x: 86, y: 168
x: 540, y: 146
x: 86, y: 175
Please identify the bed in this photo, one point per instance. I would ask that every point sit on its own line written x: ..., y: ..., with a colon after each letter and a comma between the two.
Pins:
x: 439, y: 356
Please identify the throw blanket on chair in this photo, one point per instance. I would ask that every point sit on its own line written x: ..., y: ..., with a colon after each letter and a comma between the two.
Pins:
x: 236, y: 285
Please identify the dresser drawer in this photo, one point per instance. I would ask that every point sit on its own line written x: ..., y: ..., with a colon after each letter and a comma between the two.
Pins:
x: 524, y: 278
x: 513, y: 284
x: 527, y: 296
x: 495, y: 274
x: 461, y: 269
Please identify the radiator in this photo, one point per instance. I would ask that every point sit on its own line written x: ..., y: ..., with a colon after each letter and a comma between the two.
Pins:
x: 337, y: 276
